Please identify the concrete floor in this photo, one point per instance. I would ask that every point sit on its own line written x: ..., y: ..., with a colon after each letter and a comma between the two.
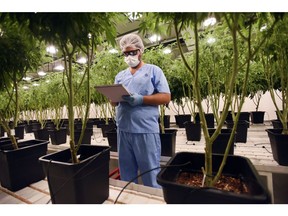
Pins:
x: 257, y: 149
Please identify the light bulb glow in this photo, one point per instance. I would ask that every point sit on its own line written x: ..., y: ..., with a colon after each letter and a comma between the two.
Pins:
x: 209, y: 22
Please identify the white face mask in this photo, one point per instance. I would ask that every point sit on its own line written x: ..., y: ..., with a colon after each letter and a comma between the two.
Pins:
x: 132, y: 61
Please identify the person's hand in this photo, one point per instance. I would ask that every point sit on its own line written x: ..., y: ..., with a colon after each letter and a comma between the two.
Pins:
x: 134, y: 99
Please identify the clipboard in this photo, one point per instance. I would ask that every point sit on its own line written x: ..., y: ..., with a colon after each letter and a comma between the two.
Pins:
x: 113, y: 92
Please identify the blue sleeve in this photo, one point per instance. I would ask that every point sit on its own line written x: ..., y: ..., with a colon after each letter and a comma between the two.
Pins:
x: 159, y: 81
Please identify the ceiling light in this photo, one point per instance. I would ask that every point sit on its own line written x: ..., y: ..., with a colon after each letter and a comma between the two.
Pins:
x: 113, y: 51
x: 167, y: 51
x: 41, y: 73
x: 210, y: 21
x: 133, y: 16
x: 25, y: 87
x: 82, y: 60
x: 154, y: 38
x: 35, y: 84
x: 59, y: 68
x: 51, y: 49
x: 211, y: 40
x: 263, y: 28
x: 27, y: 78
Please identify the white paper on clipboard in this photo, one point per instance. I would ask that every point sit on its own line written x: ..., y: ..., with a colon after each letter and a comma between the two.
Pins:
x: 113, y: 92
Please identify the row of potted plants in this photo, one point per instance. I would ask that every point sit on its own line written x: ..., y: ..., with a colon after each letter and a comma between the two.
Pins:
x: 210, y: 72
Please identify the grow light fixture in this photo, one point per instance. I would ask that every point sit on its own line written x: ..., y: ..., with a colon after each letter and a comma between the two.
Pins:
x: 25, y: 87
x: 35, y: 84
x: 82, y: 60
x: 27, y: 78
x: 59, y: 68
x: 167, y: 51
x: 154, y: 38
x: 51, y: 49
x: 41, y: 73
x: 211, y: 40
x: 263, y: 28
x: 133, y: 16
x: 113, y: 51
x: 209, y: 22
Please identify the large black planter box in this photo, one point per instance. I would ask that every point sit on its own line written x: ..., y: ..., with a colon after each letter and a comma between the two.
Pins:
x: 237, y: 166
x: 242, y: 130
x: 257, y: 117
x: 84, y: 183
x: 168, y: 142
x: 279, y: 145
x: 20, y: 168
x: 193, y: 131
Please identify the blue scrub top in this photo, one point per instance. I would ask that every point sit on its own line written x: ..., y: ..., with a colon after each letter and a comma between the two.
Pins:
x: 148, y: 80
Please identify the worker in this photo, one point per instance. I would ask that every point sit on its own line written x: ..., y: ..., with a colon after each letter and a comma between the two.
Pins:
x: 138, y: 139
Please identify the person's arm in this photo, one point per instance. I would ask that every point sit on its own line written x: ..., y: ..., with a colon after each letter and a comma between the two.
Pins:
x: 113, y: 103
x: 157, y: 99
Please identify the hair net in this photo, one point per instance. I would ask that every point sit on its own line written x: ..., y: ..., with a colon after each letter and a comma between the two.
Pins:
x: 131, y: 40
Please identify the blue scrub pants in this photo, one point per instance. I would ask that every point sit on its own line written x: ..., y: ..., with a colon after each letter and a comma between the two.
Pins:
x: 139, y: 151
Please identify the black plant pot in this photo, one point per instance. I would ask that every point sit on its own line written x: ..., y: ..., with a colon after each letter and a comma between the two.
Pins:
x: 243, y: 116
x: 242, y: 130
x: 112, y: 139
x: 42, y: 134
x: 58, y: 136
x: 277, y: 124
x: 20, y: 168
x: 100, y: 121
x: 209, y: 119
x: 87, y: 135
x: 220, y: 143
x: 279, y: 146
x: 181, y: 119
x: 166, y: 121
x: 19, y: 131
x: 193, y: 131
x: 237, y: 166
x: 86, y: 182
x: 36, y: 126
x: 107, y: 127
x: 2, y: 131
x: 257, y: 117
x: 277, y: 116
x: 28, y: 128
x: 168, y: 142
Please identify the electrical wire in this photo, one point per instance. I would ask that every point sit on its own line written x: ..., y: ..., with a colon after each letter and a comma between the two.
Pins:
x: 161, y: 167
x: 48, y: 176
x: 261, y: 144
x: 188, y: 143
x: 266, y: 149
